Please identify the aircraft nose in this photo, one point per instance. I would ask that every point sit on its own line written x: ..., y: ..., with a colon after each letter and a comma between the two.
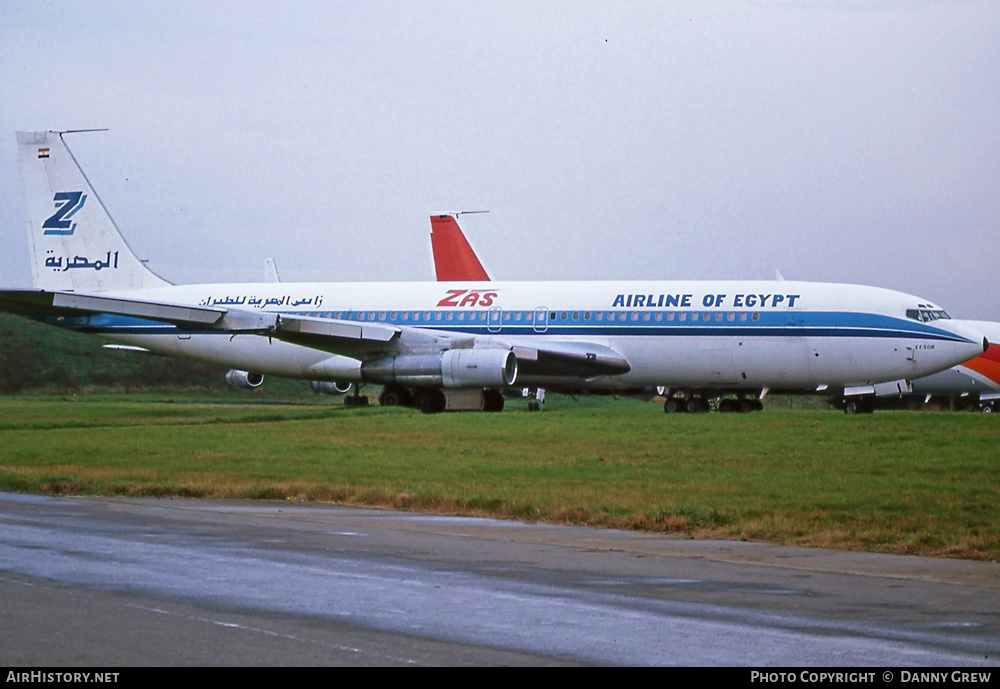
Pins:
x: 977, y: 341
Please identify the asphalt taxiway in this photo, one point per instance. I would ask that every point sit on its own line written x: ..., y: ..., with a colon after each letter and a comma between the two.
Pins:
x: 115, y: 581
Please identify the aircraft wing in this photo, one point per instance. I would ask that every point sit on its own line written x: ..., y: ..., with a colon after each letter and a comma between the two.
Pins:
x: 76, y: 304
x: 360, y: 340
x: 339, y: 337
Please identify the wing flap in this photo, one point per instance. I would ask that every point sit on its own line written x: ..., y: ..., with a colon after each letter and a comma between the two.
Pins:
x: 347, y: 338
x: 325, y: 327
x: 178, y: 314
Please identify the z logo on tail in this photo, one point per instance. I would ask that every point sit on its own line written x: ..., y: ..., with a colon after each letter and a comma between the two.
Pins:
x: 67, y: 204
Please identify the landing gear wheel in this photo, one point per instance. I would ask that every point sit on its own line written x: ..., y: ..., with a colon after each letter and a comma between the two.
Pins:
x: 429, y: 401
x: 492, y: 400
x: 863, y: 405
x: 394, y: 396
x: 672, y: 405
x: 696, y: 404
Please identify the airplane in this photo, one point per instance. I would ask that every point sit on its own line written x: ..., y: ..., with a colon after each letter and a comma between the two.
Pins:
x: 457, y: 345
x: 978, y: 378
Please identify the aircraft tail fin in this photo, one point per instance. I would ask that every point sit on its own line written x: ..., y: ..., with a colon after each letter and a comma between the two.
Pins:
x: 454, y: 258
x: 74, y: 243
x: 271, y: 271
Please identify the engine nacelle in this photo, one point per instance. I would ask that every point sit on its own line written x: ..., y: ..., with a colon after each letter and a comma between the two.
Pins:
x: 328, y: 387
x: 454, y: 368
x: 243, y: 380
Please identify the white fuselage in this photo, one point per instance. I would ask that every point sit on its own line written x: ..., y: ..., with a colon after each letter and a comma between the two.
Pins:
x: 739, y: 335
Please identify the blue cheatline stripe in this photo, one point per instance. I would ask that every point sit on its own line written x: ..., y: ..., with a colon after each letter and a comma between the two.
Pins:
x: 787, y: 324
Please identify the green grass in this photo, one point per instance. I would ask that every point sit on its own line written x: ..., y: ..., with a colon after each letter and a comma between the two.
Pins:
x: 899, y: 482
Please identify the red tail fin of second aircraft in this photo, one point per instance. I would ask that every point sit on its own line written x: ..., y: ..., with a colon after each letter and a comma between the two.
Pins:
x: 454, y: 258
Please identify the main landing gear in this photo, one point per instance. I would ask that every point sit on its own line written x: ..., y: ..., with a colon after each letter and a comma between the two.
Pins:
x: 395, y: 396
x: 435, y: 400
x: 355, y: 398
x: 697, y: 403
x: 859, y: 405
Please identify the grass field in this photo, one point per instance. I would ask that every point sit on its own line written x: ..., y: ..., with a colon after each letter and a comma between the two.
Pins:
x: 901, y: 482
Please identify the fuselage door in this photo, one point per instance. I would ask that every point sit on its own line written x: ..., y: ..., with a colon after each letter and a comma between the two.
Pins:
x: 496, y: 320
x: 541, y: 319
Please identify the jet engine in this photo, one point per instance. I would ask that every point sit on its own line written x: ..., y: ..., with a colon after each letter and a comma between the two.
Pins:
x: 243, y: 380
x: 453, y: 368
x: 327, y: 387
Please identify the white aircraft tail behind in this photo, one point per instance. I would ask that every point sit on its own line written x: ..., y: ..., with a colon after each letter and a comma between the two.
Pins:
x: 74, y: 243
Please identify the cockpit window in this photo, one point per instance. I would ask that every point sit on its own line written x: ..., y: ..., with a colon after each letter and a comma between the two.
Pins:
x: 926, y: 315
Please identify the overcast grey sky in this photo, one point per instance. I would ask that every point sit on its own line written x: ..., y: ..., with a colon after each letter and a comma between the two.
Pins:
x: 854, y: 141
